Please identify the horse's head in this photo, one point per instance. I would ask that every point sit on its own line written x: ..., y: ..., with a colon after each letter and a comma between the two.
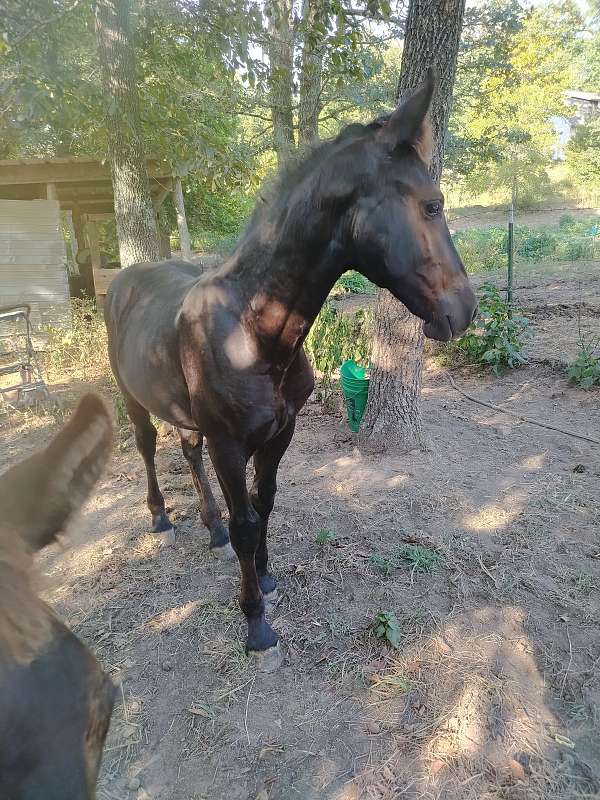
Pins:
x: 394, y: 230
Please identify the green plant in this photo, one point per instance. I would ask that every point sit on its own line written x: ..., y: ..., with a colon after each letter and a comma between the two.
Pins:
x: 324, y: 537
x: 483, y: 249
x: 354, y: 283
x: 583, y: 581
x: 77, y: 345
x: 386, y: 564
x: 421, y: 559
x: 585, y: 370
x: 497, y: 338
x: 386, y: 626
x: 121, y: 415
x: 336, y: 337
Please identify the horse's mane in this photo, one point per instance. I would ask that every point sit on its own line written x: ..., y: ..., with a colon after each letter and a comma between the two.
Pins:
x: 275, y: 192
x: 25, y: 621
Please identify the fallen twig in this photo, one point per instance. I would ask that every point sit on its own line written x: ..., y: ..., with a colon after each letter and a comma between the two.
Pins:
x: 528, y: 420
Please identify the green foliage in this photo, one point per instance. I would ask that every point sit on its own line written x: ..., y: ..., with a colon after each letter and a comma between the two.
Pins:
x: 486, y: 249
x: 353, y: 282
x: 121, y: 415
x: 497, y: 338
x: 77, y: 346
x: 582, y: 581
x: 386, y: 564
x: 386, y: 626
x: 482, y: 249
x: 324, y: 537
x: 583, y: 152
x: 513, y: 68
x: 419, y: 558
x: 585, y: 370
x: 336, y: 337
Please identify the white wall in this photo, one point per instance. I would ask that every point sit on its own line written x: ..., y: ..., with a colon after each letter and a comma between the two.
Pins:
x: 33, y: 258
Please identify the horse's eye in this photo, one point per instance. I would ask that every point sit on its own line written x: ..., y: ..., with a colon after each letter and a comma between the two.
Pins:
x: 433, y: 208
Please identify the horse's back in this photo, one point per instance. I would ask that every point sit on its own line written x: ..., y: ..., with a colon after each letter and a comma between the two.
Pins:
x: 141, y: 311
x: 165, y: 281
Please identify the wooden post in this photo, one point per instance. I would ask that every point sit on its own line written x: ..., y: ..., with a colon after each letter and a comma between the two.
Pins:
x: 51, y: 191
x: 91, y: 230
x: 73, y: 241
x: 184, y: 234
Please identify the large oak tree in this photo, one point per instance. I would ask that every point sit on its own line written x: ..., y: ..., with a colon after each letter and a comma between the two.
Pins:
x: 392, y: 418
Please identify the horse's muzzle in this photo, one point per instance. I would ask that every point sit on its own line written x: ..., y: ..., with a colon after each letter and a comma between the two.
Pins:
x: 453, y: 315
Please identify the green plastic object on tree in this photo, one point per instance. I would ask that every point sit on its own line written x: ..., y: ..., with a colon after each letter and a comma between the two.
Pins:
x: 355, y: 388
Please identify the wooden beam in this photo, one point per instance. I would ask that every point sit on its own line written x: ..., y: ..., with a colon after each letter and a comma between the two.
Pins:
x: 51, y: 191
x: 184, y: 234
x: 84, y: 171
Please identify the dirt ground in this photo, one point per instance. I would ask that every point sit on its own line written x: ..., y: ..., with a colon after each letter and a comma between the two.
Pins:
x: 494, y: 691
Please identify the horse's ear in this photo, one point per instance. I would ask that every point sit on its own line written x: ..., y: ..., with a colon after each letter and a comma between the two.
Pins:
x: 39, y: 496
x: 409, y: 124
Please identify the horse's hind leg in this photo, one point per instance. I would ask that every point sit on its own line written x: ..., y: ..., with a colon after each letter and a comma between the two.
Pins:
x: 145, y: 438
x: 191, y: 444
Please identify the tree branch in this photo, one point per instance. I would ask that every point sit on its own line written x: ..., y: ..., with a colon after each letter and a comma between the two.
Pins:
x: 44, y: 23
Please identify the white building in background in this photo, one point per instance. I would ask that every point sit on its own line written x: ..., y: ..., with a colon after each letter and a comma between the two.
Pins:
x: 585, y: 105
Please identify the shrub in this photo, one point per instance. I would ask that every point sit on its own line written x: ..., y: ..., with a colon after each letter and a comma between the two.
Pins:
x: 484, y: 249
x: 354, y: 283
x: 585, y: 370
x: 497, y: 338
x: 77, y: 346
x: 534, y: 244
x: 571, y: 240
x: 336, y: 337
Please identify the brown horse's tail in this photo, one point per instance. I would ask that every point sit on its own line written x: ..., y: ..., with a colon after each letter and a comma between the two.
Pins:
x: 38, y: 498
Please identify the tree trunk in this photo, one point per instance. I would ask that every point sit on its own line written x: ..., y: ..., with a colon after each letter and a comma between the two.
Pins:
x: 310, y: 73
x: 134, y: 213
x: 393, y: 418
x: 281, y: 75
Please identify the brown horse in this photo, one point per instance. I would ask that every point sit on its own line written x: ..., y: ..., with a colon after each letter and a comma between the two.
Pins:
x: 55, y: 700
x: 220, y: 355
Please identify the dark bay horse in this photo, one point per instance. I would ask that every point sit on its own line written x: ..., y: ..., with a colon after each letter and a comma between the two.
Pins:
x: 55, y: 700
x: 220, y: 355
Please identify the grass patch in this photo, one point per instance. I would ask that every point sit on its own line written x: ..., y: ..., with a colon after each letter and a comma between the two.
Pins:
x: 418, y: 558
x: 324, y: 537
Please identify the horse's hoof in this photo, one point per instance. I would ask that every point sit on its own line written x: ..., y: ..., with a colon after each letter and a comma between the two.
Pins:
x: 267, y: 660
x: 167, y: 537
x: 223, y: 553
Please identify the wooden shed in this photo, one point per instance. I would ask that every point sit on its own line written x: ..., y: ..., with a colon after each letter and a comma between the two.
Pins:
x: 33, y: 192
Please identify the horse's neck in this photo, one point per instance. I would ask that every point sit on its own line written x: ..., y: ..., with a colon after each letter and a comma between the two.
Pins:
x: 285, y: 292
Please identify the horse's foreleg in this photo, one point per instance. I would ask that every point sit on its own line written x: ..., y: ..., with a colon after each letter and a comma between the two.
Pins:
x: 262, y: 497
x: 191, y: 444
x: 145, y: 438
x: 244, y: 530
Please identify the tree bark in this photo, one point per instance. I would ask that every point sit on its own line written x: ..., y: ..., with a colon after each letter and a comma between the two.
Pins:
x: 281, y: 75
x: 134, y: 214
x: 393, y: 418
x: 310, y: 73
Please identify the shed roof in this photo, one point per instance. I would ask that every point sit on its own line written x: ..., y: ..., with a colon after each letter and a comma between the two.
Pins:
x: 80, y: 183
